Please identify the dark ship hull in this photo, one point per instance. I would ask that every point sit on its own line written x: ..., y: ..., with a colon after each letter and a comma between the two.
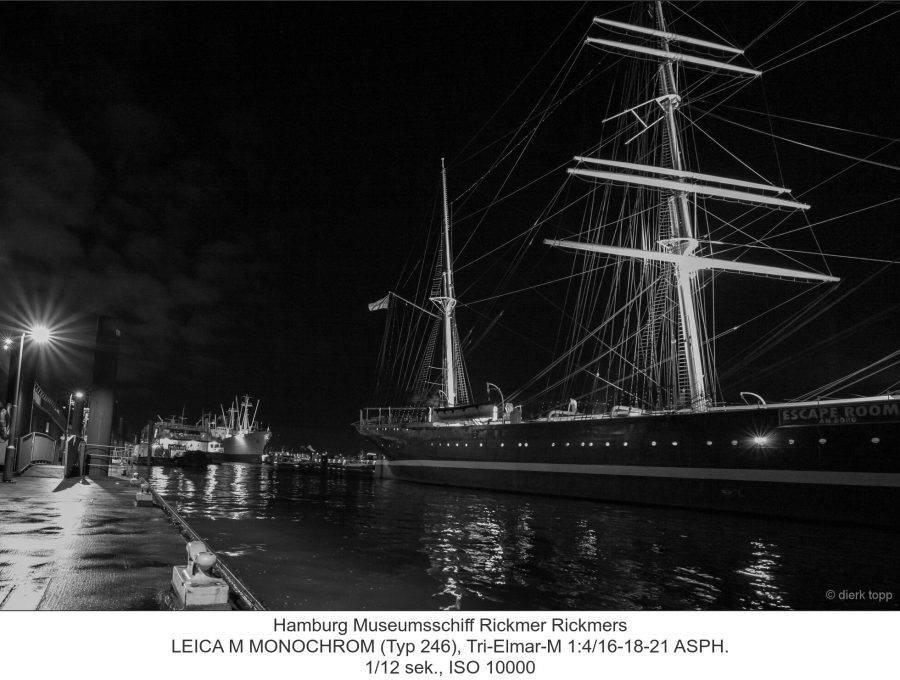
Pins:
x: 835, y: 461
x: 243, y: 448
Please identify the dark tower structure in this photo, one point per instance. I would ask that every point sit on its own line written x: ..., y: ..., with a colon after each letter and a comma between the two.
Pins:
x: 103, y: 395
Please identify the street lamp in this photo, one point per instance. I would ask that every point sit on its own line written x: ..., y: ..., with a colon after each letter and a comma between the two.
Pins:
x: 41, y: 335
x: 69, y: 404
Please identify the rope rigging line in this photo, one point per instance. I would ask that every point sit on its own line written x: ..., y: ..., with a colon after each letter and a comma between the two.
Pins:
x: 838, y: 217
x: 741, y: 359
x: 755, y: 241
x: 460, y: 267
x: 687, y: 15
x: 541, y: 114
x: 560, y: 79
x: 774, y: 25
x: 516, y: 88
x: 536, y: 285
x: 579, y: 369
x: 876, y: 260
x: 835, y: 128
x: 515, y: 164
x: 592, y: 334
x: 847, y: 169
x: 773, y: 367
x: 798, y: 325
x: 887, y: 166
x: 861, y: 374
x: 699, y: 129
x: 818, y: 35
x: 830, y: 42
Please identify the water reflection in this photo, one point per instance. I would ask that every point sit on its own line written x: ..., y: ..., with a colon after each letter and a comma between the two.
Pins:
x: 761, y: 574
x: 347, y: 542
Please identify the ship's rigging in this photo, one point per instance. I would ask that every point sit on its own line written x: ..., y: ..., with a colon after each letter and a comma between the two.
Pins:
x: 650, y: 245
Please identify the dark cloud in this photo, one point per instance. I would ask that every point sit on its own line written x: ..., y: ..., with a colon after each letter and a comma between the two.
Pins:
x: 144, y: 238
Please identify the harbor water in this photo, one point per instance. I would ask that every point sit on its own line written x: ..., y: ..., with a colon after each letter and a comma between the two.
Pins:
x: 311, y: 541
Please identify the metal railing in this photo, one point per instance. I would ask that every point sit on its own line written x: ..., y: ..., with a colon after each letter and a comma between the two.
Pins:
x: 393, y: 416
x: 35, y: 447
x: 243, y: 594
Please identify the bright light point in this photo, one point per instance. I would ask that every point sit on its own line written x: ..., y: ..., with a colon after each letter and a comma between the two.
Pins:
x: 41, y: 334
x: 7, y: 343
x: 759, y: 441
x: 79, y: 395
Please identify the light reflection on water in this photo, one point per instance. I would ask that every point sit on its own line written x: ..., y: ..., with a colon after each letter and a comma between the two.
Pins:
x: 309, y: 541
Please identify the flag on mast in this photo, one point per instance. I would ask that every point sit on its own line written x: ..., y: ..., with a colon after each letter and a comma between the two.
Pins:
x: 383, y: 303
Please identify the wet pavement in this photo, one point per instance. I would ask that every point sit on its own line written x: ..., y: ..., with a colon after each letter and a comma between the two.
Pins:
x: 73, y: 544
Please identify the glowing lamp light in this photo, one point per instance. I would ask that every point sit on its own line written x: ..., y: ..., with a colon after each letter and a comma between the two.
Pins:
x: 41, y: 334
x: 760, y: 441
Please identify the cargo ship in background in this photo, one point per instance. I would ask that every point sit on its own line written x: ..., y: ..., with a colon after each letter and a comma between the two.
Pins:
x: 238, y: 434
x: 630, y: 408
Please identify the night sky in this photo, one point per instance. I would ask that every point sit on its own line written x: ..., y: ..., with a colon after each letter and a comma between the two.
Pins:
x: 235, y: 182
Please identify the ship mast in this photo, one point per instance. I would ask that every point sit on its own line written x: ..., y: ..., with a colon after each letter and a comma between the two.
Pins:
x: 446, y: 302
x: 683, y: 241
x: 677, y: 249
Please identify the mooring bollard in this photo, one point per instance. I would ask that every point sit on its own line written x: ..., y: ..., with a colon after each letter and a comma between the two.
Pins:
x: 143, y: 498
x: 8, y: 463
x: 195, y: 585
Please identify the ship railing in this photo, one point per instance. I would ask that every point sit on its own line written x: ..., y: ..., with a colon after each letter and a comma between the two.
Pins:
x: 393, y: 416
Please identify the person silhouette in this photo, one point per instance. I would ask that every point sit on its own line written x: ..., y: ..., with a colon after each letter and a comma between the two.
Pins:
x: 8, y: 453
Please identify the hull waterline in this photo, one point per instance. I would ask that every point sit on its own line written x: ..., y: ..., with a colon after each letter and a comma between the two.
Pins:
x: 757, y: 461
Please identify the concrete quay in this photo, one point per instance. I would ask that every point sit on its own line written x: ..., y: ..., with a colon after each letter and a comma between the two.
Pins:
x: 82, y: 544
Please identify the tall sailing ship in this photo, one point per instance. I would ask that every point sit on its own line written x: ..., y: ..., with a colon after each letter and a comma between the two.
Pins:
x: 643, y: 420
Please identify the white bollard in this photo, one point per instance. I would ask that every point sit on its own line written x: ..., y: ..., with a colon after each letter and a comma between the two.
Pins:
x: 195, y: 585
x: 143, y: 498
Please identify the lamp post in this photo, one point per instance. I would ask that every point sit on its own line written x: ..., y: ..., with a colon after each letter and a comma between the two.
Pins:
x: 9, y: 460
x: 69, y: 404
x: 41, y: 335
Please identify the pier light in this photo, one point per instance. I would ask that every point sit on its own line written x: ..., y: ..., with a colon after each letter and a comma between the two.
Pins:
x: 41, y: 335
x: 70, y: 402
